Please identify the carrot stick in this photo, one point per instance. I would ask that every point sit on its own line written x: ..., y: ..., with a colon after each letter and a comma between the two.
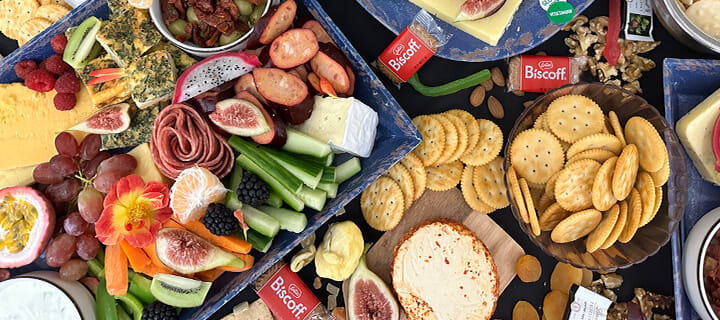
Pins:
x: 138, y: 259
x: 157, y: 265
x: 116, y: 270
x: 229, y: 243
x: 209, y: 275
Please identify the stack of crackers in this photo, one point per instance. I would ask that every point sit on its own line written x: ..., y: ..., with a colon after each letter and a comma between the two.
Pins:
x: 21, y: 20
x: 585, y: 178
x: 456, y: 148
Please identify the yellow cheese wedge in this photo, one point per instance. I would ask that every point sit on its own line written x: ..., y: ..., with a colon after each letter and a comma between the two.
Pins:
x: 489, y: 29
x: 695, y: 131
x: 16, y: 177
x: 145, y: 166
x: 29, y: 123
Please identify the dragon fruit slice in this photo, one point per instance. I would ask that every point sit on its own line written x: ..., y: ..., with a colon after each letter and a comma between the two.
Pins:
x: 212, y: 72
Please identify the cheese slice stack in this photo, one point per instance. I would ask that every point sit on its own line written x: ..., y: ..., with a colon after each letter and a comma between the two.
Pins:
x: 695, y: 131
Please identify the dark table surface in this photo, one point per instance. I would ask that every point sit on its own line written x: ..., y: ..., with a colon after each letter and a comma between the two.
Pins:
x: 370, y: 37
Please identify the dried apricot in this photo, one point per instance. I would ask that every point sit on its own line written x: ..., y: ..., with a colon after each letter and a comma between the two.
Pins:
x: 587, y: 277
x: 563, y: 276
x: 528, y: 268
x: 523, y: 310
x: 554, y: 305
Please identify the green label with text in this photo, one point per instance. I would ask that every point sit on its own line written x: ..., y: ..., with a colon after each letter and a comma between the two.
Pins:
x: 560, y: 12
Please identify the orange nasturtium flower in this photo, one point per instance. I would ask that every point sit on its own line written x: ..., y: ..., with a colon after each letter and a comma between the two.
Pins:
x: 133, y: 211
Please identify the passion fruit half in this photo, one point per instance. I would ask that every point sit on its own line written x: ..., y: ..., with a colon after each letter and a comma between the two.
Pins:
x: 26, y: 222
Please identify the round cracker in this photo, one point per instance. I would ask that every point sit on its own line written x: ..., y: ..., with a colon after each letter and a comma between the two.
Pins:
x: 626, y: 170
x: 545, y: 201
x: 433, y: 139
x: 602, y: 195
x: 417, y: 171
x: 402, y: 176
x: 646, y: 188
x: 488, y: 147
x: 469, y: 194
x: 651, y: 148
x: 619, y: 225
x: 516, y: 193
x: 472, y: 126
x: 576, y: 226
x: 661, y: 176
x: 599, y: 155
x: 634, y: 217
x: 489, y: 183
x: 597, y: 237
x: 536, y: 155
x: 52, y: 12
x: 35, y: 26
x: 382, y: 204
x: 603, y: 141
x: 452, y: 140
x: 462, y: 135
x: 572, y: 117
x: 550, y: 217
x: 573, y: 188
x: 658, y: 201
x: 443, y: 177
x: 550, y: 185
x: 617, y: 127
x: 540, y: 122
x: 529, y: 203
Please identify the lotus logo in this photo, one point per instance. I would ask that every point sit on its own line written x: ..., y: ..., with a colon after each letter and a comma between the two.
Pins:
x: 295, y: 291
x: 545, y: 65
x: 398, y: 49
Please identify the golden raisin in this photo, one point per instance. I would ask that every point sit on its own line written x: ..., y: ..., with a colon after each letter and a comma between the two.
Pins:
x: 528, y: 268
x: 554, y: 305
x: 523, y: 310
x: 563, y: 276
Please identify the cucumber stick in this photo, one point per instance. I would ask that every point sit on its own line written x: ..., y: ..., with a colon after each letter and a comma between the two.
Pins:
x: 347, y: 169
x: 261, y: 221
x: 330, y: 188
x: 288, y: 196
x: 302, y: 143
x: 328, y: 175
x: 309, y: 172
x: 292, y: 221
x: 258, y: 241
x: 262, y: 159
x: 231, y: 199
x: 274, y: 200
x: 313, y: 198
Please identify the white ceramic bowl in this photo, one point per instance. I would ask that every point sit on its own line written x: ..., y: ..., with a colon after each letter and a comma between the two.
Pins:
x: 696, y: 246
x: 43, y: 295
x: 191, y: 48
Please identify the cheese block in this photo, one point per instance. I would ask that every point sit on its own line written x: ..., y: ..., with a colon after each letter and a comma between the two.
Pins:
x: 29, y: 123
x: 695, y: 131
x: 489, y: 29
x: 441, y: 270
x: 346, y: 124
x: 145, y: 166
x: 16, y: 177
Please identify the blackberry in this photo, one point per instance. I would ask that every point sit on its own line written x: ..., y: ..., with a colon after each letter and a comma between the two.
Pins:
x: 252, y: 190
x: 220, y: 220
x: 159, y: 311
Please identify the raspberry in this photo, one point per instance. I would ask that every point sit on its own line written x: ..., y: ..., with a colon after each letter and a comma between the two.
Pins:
x: 23, y: 68
x: 58, y: 43
x: 56, y: 65
x: 64, y: 101
x: 68, y: 83
x: 40, y: 80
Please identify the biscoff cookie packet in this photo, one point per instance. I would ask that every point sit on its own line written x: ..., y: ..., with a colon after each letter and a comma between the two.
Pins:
x: 412, y: 48
x: 541, y: 73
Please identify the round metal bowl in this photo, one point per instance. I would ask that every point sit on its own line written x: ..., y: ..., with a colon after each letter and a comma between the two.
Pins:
x: 673, y: 18
x: 693, y: 260
x: 648, y: 239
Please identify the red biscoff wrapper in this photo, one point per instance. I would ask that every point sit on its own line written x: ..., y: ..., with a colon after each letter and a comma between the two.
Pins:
x: 543, y: 73
x: 288, y: 297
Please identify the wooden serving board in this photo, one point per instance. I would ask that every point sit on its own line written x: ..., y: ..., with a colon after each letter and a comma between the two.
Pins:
x: 448, y: 204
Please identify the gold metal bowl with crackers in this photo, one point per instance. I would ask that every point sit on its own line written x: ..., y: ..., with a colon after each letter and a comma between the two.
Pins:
x: 588, y: 168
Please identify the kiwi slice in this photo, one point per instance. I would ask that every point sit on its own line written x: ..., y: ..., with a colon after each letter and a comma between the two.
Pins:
x: 82, y: 43
x: 179, y: 291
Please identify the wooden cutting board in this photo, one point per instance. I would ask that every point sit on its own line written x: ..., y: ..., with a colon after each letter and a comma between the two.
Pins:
x: 448, y: 204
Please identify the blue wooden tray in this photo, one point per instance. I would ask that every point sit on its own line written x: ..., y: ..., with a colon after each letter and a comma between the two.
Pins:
x: 687, y: 82
x: 529, y: 28
x: 396, y: 137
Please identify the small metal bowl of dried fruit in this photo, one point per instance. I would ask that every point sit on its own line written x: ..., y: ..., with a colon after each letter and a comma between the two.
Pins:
x: 208, y: 27
x: 701, y: 265
x: 596, y: 176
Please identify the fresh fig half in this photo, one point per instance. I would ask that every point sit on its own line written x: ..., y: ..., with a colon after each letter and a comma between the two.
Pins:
x: 478, y: 9
x: 240, y: 117
x: 111, y: 119
x: 187, y: 253
x: 368, y: 297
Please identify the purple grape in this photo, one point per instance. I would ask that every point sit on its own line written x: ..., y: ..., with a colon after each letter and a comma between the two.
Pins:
x: 60, y: 250
x: 66, y: 144
x: 64, y: 191
x: 90, y: 168
x: 44, y: 174
x: 90, y: 204
x: 87, y: 246
x: 73, y: 270
x: 64, y: 165
x: 104, y: 181
x: 75, y: 224
x: 90, y: 146
x: 123, y: 164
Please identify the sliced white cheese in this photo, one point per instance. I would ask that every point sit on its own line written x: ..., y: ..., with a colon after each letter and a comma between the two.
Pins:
x: 346, y: 124
x: 695, y: 131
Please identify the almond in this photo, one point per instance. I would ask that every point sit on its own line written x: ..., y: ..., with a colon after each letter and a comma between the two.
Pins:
x: 497, y: 77
x: 518, y: 93
x: 495, y: 107
x: 528, y: 103
x: 477, y: 96
x: 487, y: 84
